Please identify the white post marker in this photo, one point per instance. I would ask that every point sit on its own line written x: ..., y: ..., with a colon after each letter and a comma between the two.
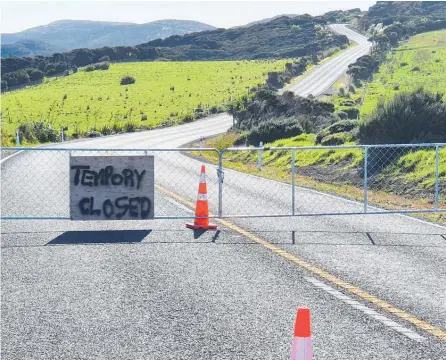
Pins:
x: 17, y: 137
x: 259, y: 161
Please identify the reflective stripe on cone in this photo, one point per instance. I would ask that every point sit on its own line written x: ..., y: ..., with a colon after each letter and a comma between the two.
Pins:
x: 202, y: 207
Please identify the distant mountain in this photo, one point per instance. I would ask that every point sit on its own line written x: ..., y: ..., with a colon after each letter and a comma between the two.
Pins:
x: 73, y: 34
x: 28, y: 48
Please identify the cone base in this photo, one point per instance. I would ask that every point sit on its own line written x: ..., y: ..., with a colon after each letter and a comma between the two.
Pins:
x: 202, y: 227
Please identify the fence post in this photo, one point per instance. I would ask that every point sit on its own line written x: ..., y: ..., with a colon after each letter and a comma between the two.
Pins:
x: 61, y: 133
x: 17, y: 137
x: 259, y: 161
x: 220, y: 183
x: 365, y: 177
x: 437, y: 160
x: 293, y: 182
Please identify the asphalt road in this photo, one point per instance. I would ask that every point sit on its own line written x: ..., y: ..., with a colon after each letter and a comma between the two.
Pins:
x: 153, y: 290
x: 326, y: 74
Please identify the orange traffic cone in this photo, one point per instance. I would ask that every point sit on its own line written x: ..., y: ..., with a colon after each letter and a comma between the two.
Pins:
x: 301, y: 348
x: 202, y: 207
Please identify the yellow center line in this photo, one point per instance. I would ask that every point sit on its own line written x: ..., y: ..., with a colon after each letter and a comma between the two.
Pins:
x: 321, y: 273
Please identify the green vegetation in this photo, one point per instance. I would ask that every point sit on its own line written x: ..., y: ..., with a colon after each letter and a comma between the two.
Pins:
x: 427, y: 52
x: 416, y: 117
x: 163, y: 94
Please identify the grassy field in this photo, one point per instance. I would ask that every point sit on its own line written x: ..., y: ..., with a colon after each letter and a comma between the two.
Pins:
x: 427, y: 52
x: 163, y: 92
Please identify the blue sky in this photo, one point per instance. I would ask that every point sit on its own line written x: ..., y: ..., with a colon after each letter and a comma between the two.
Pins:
x: 20, y: 15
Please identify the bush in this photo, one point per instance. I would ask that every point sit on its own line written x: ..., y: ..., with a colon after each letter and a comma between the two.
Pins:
x: 4, y: 85
x: 36, y: 75
x: 336, y: 139
x: 102, y: 66
x: 41, y: 131
x: 143, y: 117
x: 106, y: 130
x: 75, y: 69
x: 342, y: 115
x: 414, y: 117
x: 341, y: 92
x: 130, y: 126
x: 342, y: 126
x: 126, y: 80
x: 117, y: 127
x: 89, y: 68
x: 188, y: 118
x: 404, y: 63
x: 396, y: 87
x: 416, y: 68
x: 93, y: 134
x: 51, y: 72
x: 269, y: 131
x: 104, y: 58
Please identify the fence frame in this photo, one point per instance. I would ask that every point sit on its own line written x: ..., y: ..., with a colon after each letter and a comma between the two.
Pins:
x: 221, y: 170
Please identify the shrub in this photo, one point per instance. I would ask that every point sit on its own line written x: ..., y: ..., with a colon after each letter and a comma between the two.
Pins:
x: 336, y: 139
x: 337, y: 127
x: 51, y: 72
x: 143, y: 117
x: 126, y: 80
x: 41, y: 131
x: 272, y: 130
x: 342, y: 115
x: 396, y: 87
x: 404, y: 63
x: 36, y: 75
x: 416, y: 68
x: 352, y: 89
x: 65, y: 97
x: 188, y: 118
x: 341, y: 91
x: 93, y: 133
x: 4, y: 85
x: 89, y: 68
x: 351, y: 113
x: 130, y: 126
x: 74, y: 69
x: 117, y: 127
x: 106, y: 130
x: 104, y: 58
x: 102, y: 66
x: 414, y: 117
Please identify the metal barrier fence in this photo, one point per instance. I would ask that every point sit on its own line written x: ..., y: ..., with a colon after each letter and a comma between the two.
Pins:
x: 247, y: 182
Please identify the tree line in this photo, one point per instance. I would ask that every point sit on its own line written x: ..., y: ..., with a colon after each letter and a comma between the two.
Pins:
x: 281, y: 38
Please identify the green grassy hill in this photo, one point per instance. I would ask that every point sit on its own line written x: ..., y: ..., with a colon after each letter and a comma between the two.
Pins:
x: 163, y: 92
x: 419, y: 62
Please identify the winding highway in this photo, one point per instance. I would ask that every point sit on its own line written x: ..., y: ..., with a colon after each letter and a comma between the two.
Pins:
x: 154, y: 290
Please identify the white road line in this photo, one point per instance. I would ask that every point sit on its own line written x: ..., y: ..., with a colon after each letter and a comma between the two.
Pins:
x: 366, y: 310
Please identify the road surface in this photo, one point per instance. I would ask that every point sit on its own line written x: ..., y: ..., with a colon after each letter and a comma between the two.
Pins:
x: 152, y: 290
x: 326, y: 74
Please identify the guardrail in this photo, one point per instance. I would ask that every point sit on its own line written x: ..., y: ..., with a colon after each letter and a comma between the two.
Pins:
x: 303, y: 181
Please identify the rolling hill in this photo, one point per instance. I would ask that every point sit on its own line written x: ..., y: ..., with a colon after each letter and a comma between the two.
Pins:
x: 26, y: 48
x: 66, y: 35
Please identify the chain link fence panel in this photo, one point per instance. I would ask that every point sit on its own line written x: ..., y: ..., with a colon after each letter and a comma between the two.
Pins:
x: 247, y: 182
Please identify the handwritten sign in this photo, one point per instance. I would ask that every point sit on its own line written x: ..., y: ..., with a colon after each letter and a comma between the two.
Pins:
x: 111, y: 187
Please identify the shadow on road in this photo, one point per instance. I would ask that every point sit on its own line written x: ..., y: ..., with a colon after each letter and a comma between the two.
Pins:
x: 100, y: 237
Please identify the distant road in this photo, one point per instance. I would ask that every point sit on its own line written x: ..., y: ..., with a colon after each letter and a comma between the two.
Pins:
x: 322, y: 77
